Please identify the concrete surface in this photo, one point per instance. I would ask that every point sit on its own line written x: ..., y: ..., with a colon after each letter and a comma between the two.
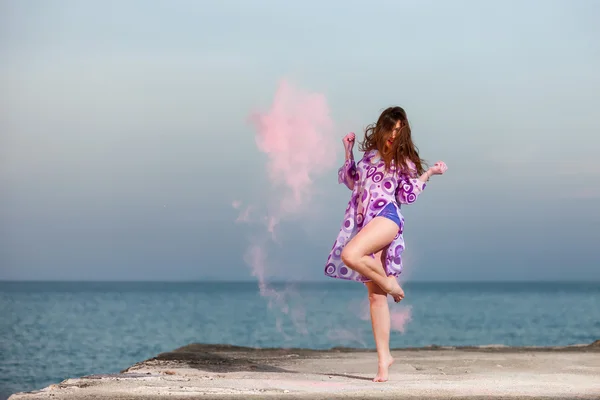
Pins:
x: 228, y: 372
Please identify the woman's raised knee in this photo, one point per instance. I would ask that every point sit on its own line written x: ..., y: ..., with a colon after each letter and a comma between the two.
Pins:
x: 350, y: 256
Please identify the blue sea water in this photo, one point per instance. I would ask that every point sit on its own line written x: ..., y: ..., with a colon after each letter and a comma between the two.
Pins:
x: 50, y: 331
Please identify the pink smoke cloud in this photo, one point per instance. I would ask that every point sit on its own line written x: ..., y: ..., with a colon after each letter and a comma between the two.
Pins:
x: 296, y: 134
x: 256, y: 258
x: 272, y: 222
x: 244, y: 215
x: 399, y: 318
x: 399, y: 315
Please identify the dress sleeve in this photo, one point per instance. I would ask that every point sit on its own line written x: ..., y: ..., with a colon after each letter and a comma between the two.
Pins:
x: 408, y: 190
x: 409, y: 187
x: 347, y: 174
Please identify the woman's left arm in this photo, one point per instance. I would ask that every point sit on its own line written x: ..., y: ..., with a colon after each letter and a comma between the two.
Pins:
x: 409, y: 189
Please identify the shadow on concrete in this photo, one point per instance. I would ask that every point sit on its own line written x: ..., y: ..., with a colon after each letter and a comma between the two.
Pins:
x: 227, y: 358
x: 362, y: 378
x: 219, y: 362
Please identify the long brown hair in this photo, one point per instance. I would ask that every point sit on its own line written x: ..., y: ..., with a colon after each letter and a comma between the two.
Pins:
x: 403, y: 148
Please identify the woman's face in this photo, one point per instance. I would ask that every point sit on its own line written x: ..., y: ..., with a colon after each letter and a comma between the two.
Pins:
x: 392, y: 135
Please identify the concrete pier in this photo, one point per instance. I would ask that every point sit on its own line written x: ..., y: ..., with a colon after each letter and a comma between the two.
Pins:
x: 229, y: 372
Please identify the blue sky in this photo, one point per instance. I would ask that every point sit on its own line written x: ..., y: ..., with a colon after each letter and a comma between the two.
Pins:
x: 124, y: 133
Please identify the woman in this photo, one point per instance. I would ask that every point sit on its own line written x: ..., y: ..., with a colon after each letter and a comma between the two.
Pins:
x: 370, y: 243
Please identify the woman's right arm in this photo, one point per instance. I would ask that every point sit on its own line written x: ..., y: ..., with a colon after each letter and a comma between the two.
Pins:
x: 347, y: 173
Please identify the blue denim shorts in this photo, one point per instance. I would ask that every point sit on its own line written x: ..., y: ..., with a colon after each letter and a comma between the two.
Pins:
x: 390, y: 212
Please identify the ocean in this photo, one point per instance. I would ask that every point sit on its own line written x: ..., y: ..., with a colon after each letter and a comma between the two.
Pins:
x: 50, y: 331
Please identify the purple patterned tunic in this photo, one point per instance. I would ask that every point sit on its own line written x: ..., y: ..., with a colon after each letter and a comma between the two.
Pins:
x: 374, y: 188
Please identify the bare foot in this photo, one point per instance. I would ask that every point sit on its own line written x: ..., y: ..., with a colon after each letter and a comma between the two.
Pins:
x: 382, y: 372
x: 394, y: 289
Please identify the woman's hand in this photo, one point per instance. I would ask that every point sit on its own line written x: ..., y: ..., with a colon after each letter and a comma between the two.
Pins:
x: 438, y: 168
x: 348, y: 141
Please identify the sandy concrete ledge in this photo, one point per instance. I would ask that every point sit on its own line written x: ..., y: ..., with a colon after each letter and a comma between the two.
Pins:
x: 229, y: 372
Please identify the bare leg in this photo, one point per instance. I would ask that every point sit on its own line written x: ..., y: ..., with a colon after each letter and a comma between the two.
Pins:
x: 380, y: 321
x: 375, y: 236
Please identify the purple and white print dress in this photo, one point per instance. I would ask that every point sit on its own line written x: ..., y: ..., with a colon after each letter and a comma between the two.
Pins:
x: 374, y: 188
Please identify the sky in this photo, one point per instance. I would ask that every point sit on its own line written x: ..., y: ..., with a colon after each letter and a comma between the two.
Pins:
x: 124, y: 133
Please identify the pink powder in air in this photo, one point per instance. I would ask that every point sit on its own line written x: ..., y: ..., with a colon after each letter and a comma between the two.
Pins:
x: 399, y: 318
x: 296, y: 134
x: 400, y: 315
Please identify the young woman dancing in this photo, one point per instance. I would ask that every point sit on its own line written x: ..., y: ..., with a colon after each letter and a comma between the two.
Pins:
x: 369, y: 245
